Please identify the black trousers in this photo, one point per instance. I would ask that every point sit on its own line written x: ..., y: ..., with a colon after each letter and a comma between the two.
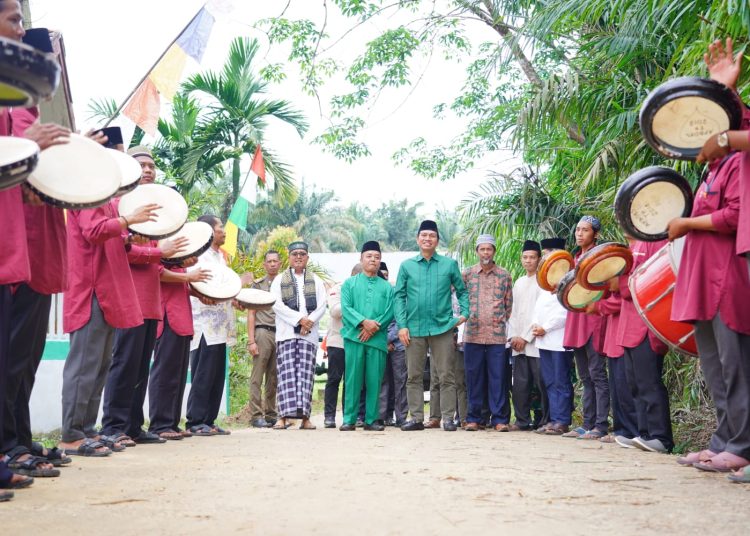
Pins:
x: 336, y: 368
x: 526, y: 376
x: 208, y: 365
x: 624, y: 414
x: 644, y: 369
x: 166, y: 384
x: 125, y: 390
x: 508, y: 379
x: 5, y: 307
x: 592, y: 371
x: 28, y: 335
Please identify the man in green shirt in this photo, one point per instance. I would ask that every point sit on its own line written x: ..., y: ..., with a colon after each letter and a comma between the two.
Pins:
x: 424, y: 314
x: 367, y: 309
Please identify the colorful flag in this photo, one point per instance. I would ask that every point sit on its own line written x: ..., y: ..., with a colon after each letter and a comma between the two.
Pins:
x: 164, y: 77
x: 238, y: 217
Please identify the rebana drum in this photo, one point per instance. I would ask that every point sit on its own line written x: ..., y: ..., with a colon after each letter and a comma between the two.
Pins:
x: 649, y: 199
x: 27, y: 76
x: 224, y: 284
x: 573, y: 296
x: 651, y: 286
x: 169, y: 218
x: 678, y: 116
x: 199, y: 236
x: 553, y: 266
x: 18, y: 158
x: 256, y: 299
x: 602, y: 263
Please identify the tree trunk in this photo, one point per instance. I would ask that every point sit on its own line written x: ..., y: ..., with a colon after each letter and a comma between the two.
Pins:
x: 235, y: 180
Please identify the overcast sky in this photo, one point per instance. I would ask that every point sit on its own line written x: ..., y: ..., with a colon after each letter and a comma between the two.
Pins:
x: 110, y: 45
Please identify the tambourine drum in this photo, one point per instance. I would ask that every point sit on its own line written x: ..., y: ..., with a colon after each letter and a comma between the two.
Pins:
x: 601, y: 263
x: 649, y: 199
x: 253, y: 298
x: 553, y: 266
x: 680, y: 115
x: 651, y: 286
x: 223, y: 285
x: 27, y: 75
x: 573, y: 296
x: 130, y: 170
x: 199, y: 235
x: 18, y: 158
x: 169, y: 218
x: 75, y: 175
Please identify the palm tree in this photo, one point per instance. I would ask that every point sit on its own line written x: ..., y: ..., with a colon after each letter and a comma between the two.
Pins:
x: 236, y: 118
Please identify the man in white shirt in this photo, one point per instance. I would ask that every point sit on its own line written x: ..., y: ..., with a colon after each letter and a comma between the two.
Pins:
x: 548, y: 328
x: 214, y: 330
x: 526, y: 373
x: 300, y: 304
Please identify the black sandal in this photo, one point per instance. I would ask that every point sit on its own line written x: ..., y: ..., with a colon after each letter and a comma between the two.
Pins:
x: 29, y: 466
x: 55, y: 456
x: 20, y: 484
x: 111, y: 443
x: 89, y: 449
x: 202, y: 430
x: 5, y: 496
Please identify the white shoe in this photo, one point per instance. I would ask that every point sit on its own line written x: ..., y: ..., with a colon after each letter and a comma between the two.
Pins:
x: 625, y: 442
x: 650, y: 445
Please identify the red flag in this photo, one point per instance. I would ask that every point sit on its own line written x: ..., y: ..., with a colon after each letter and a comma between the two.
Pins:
x: 258, y: 167
x: 143, y: 108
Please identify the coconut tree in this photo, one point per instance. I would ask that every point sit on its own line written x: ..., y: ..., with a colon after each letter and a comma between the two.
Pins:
x: 236, y: 117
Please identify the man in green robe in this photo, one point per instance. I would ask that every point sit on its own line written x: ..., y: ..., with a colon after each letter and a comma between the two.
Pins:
x: 367, y: 307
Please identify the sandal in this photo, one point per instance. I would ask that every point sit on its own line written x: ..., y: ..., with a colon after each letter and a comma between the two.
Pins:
x: 742, y: 476
x: 171, y: 435
x: 124, y: 440
x: 220, y: 431
x: 696, y: 457
x: 575, y: 432
x: 55, y: 456
x: 6, y: 496
x: 281, y: 424
x: 307, y: 425
x: 609, y: 438
x: 18, y: 483
x: 29, y: 466
x: 111, y: 443
x: 90, y: 448
x: 592, y: 434
x: 201, y: 430
x: 723, y: 463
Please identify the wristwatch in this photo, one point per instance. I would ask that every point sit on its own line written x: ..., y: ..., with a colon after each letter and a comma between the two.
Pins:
x: 722, y: 140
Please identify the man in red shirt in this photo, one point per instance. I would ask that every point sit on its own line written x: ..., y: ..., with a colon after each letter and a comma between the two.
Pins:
x: 125, y: 391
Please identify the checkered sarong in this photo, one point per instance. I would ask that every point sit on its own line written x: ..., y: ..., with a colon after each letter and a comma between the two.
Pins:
x: 296, y: 373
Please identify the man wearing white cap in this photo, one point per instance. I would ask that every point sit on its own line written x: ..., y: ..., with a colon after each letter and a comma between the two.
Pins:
x: 490, y: 289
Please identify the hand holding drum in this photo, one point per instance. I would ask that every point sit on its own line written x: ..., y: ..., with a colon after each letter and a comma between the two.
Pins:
x: 47, y: 134
x: 142, y: 214
x: 170, y: 248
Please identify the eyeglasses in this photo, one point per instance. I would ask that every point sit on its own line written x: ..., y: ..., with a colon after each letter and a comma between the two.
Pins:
x: 298, y: 254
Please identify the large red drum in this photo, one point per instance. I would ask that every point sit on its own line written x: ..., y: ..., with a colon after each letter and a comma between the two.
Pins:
x: 651, y: 286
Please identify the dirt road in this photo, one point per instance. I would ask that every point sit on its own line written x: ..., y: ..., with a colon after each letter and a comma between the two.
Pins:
x: 331, y: 482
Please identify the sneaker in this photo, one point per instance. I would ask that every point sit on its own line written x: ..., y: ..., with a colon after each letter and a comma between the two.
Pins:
x: 329, y: 423
x: 625, y: 442
x: 650, y: 445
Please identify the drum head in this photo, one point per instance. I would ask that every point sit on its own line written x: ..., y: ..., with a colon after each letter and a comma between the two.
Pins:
x: 18, y: 158
x: 169, y: 218
x: 601, y: 263
x: 573, y: 296
x: 77, y: 174
x: 553, y: 266
x: 680, y: 115
x: 253, y: 298
x: 27, y: 76
x: 649, y: 199
x: 223, y: 285
x: 199, y: 235
x: 130, y: 170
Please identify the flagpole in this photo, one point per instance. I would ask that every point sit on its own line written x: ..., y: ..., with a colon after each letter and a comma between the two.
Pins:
x: 125, y: 102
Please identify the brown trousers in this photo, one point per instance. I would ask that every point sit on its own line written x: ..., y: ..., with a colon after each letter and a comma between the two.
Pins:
x: 264, y: 366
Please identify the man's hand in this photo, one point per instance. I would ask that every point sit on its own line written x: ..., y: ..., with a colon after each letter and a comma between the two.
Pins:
x: 201, y: 274
x: 517, y: 343
x: 139, y: 239
x: 252, y: 347
x: 391, y: 347
x: 207, y: 301
x: 143, y: 214
x: 722, y: 66
x: 711, y: 150
x: 48, y: 134
x: 190, y: 261
x: 306, y: 324
x: 591, y: 309
x: 461, y: 320
x: 30, y: 198
x: 403, y: 335
x: 614, y: 284
x: 364, y: 335
x: 370, y: 325
x: 677, y: 227
x: 170, y: 248
x: 98, y: 136
x: 537, y: 330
